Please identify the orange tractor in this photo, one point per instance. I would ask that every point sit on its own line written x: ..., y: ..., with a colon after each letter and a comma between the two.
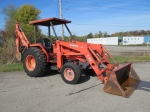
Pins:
x: 70, y: 58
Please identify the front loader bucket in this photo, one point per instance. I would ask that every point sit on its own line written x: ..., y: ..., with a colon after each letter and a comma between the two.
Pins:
x: 122, y: 81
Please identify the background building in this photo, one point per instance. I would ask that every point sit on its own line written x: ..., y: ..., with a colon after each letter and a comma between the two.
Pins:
x: 146, y: 39
x: 120, y: 40
x: 104, y: 41
x: 133, y: 40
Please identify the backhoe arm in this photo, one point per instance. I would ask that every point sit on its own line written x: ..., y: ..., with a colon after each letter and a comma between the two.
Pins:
x: 20, y: 36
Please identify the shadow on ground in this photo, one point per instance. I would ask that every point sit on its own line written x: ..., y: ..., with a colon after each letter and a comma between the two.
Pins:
x: 84, y: 77
x: 144, y: 85
x: 51, y: 73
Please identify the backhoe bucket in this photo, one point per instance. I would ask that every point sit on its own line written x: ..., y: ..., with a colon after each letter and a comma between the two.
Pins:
x: 122, y: 81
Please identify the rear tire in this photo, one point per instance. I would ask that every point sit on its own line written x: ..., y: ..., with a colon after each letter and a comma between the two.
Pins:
x: 70, y: 73
x: 34, y: 62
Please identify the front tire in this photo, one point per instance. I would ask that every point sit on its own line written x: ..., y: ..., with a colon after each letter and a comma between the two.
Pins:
x: 70, y: 73
x: 34, y: 62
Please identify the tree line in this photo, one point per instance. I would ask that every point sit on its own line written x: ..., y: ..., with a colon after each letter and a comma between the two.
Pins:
x: 101, y: 34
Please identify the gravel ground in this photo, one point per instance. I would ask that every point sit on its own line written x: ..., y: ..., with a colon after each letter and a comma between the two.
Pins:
x: 129, y: 50
x: 20, y: 93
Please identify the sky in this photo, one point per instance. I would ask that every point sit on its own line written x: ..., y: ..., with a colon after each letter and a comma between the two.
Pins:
x: 91, y: 16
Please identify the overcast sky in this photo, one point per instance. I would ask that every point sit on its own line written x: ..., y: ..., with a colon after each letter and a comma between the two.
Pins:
x: 92, y: 15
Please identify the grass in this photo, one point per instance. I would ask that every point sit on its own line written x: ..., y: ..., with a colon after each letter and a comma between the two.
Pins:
x: 118, y: 59
x: 11, y: 67
x: 134, y: 45
x: 125, y: 59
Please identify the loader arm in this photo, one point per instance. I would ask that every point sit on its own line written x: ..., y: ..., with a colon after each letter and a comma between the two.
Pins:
x: 118, y: 80
x: 94, y: 54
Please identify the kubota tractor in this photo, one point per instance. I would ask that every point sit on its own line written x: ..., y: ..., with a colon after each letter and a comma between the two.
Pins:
x: 72, y: 57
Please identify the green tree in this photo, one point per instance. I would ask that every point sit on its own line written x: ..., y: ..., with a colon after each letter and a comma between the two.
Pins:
x: 100, y: 34
x: 9, y: 13
x: 25, y: 14
x: 105, y: 34
x: 13, y: 14
x: 96, y: 35
x: 90, y: 35
x: 8, y: 43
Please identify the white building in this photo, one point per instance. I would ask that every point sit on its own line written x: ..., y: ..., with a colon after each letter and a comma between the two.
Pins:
x: 104, y: 41
x: 133, y: 40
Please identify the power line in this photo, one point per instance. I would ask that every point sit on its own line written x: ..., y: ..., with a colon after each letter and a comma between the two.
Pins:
x: 52, y: 3
x: 118, y: 2
x: 57, y: 9
x: 112, y: 23
x: 126, y: 2
x: 105, y: 6
x: 106, y: 11
x: 108, y: 25
x: 109, y: 6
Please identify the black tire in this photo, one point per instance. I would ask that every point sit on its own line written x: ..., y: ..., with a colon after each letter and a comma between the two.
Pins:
x: 39, y: 65
x: 75, y: 69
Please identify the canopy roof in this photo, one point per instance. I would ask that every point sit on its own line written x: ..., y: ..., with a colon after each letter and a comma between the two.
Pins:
x: 46, y: 22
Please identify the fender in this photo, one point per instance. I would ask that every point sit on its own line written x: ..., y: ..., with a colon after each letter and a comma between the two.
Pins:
x: 42, y: 48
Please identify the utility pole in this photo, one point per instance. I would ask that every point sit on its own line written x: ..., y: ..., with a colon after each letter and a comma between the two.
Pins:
x: 61, y: 17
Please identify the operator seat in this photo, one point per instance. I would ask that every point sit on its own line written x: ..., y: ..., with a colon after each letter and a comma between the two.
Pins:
x: 47, y: 45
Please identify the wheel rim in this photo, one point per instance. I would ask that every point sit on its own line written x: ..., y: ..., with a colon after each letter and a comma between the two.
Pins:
x: 30, y: 62
x: 69, y: 74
